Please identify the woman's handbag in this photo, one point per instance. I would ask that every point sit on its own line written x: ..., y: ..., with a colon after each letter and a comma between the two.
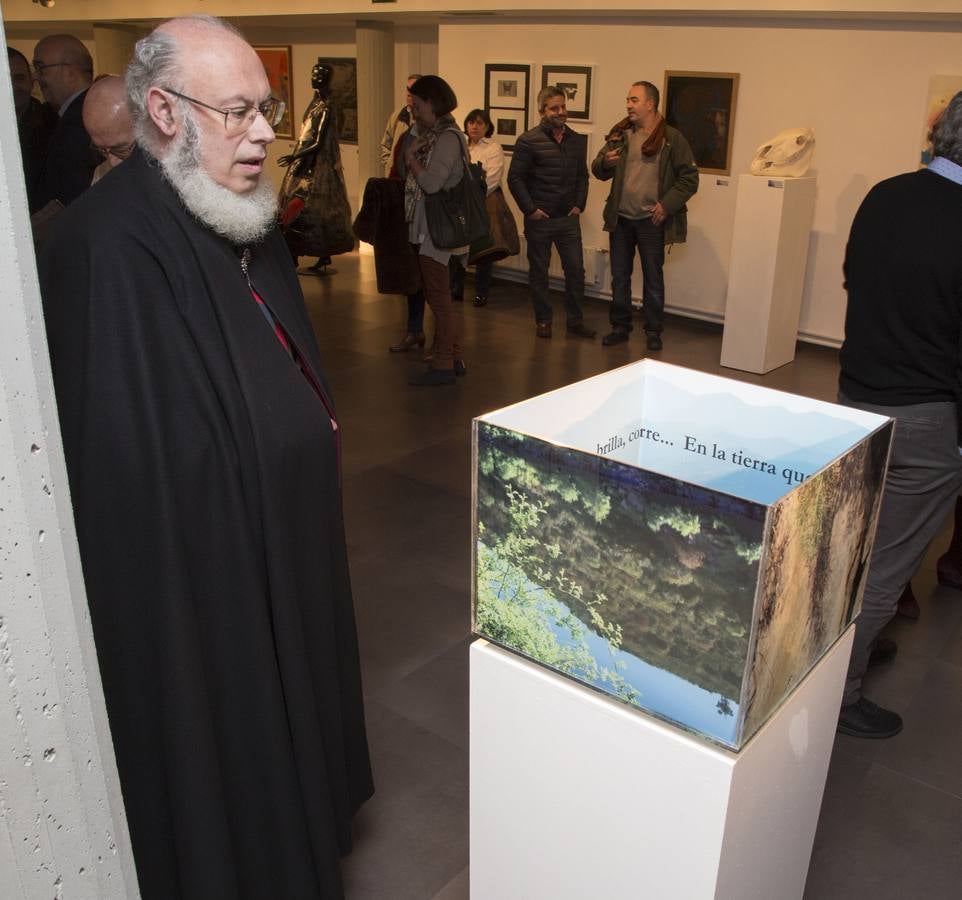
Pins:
x: 503, y: 240
x: 456, y: 216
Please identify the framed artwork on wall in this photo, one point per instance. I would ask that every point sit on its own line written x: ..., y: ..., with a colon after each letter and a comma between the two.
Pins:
x: 509, y: 125
x: 506, y: 92
x: 575, y: 81
x: 343, y: 96
x: 277, y: 65
x: 701, y: 105
x: 506, y: 86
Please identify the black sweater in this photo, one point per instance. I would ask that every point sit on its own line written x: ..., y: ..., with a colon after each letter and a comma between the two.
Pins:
x: 547, y: 175
x: 903, y: 274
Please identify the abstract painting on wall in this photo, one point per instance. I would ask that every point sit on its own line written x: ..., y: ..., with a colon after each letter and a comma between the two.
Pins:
x: 942, y: 88
x: 701, y: 105
x: 277, y: 65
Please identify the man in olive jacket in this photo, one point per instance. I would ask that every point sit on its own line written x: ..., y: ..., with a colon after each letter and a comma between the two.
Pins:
x: 654, y: 175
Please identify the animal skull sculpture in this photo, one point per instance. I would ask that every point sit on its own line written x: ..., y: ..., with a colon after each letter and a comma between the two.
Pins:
x: 788, y: 154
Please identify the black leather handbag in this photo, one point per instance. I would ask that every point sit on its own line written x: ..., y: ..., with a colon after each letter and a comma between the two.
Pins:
x: 457, y: 216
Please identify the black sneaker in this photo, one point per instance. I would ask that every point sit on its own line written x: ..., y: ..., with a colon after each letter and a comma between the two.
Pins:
x: 618, y: 336
x: 864, y: 719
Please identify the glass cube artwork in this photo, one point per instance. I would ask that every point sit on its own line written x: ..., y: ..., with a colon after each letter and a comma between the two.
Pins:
x: 687, y: 544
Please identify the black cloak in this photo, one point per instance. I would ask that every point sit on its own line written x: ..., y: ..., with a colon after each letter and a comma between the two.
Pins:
x: 203, y: 470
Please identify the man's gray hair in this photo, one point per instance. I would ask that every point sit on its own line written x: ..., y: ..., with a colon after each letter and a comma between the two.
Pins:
x: 156, y: 63
x: 546, y: 93
x: 947, y: 133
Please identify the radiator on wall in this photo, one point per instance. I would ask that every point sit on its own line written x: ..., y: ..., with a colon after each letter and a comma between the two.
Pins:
x: 594, y: 261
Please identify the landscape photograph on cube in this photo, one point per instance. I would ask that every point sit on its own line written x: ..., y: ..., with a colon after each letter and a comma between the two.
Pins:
x: 639, y: 585
x: 813, y: 572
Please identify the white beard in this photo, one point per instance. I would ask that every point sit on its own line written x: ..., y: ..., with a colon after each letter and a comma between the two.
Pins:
x: 241, y: 218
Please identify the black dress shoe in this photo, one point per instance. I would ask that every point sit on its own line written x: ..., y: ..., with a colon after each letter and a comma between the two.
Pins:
x: 864, y: 719
x: 460, y: 370
x: 543, y: 329
x: 480, y: 301
x: 883, y: 651
x: 458, y: 298
x: 654, y: 340
x: 579, y: 329
x: 618, y: 336
x: 433, y: 378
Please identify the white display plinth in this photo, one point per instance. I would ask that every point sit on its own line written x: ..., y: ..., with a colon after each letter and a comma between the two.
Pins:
x: 773, y: 221
x: 574, y: 795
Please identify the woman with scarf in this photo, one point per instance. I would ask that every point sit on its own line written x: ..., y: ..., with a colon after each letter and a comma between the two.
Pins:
x: 432, y: 159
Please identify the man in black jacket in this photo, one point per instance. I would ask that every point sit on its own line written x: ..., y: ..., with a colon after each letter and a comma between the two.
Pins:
x: 902, y: 358
x: 549, y: 181
x: 64, y: 71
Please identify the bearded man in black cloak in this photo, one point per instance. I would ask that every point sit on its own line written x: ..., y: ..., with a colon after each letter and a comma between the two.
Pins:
x: 202, y: 448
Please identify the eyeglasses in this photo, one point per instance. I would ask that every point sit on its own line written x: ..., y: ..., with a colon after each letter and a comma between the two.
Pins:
x: 118, y: 151
x: 41, y: 67
x: 238, y: 119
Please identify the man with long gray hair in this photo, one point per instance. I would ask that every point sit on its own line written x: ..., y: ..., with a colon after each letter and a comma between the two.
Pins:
x: 203, y: 452
x: 902, y: 357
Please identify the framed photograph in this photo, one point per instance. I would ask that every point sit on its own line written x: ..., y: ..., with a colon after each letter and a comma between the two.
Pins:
x: 701, y: 105
x: 277, y: 65
x: 575, y: 81
x: 506, y: 86
x: 509, y: 125
x: 343, y: 96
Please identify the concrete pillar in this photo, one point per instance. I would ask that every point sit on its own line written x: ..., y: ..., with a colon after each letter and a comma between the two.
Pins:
x: 114, y: 47
x: 375, y: 94
x: 63, y: 832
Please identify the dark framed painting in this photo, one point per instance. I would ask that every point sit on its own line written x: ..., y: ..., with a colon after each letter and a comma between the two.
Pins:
x: 277, y: 65
x: 509, y: 125
x: 701, y: 105
x: 575, y: 81
x: 343, y: 96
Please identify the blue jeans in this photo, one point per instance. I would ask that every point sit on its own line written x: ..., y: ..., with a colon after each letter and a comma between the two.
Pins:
x: 565, y: 233
x: 649, y: 239
x: 482, y: 278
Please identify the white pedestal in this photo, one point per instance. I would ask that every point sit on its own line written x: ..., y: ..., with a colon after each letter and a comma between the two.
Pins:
x: 773, y: 221
x: 574, y: 795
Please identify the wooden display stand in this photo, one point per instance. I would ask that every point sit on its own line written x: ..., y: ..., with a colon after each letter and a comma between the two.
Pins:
x: 575, y: 795
x: 773, y: 222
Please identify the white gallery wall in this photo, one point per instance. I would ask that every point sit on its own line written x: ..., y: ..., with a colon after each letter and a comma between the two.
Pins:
x: 863, y: 90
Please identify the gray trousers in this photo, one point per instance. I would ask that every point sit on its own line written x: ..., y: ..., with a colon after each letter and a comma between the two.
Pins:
x: 924, y: 477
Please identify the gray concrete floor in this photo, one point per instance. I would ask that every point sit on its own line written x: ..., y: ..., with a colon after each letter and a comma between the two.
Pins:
x: 891, y: 823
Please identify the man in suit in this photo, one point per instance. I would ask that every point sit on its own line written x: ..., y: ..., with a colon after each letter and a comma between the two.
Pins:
x: 64, y: 70
x: 36, y: 122
x: 549, y: 180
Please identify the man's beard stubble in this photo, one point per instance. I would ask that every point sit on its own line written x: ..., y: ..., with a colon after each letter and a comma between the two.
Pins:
x: 241, y: 218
